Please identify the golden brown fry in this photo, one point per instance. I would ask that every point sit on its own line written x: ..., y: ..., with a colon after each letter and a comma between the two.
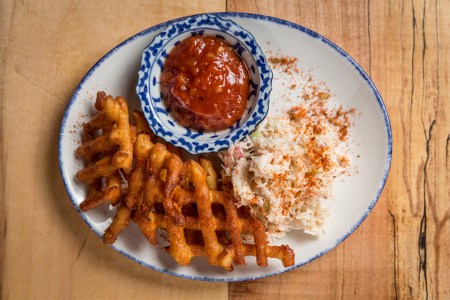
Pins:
x: 205, y: 226
x: 161, y: 191
x: 235, y: 229
x: 107, y: 154
x: 212, y: 246
x: 112, y: 119
x: 111, y: 194
x: 121, y: 220
x: 96, y: 194
x: 164, y: 192
x: 211, y: 177
x: 138, y: 176
x: 142, y: 126
x: 136, y: 181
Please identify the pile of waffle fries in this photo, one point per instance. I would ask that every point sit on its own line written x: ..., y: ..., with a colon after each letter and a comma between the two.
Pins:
x: 164, y: 192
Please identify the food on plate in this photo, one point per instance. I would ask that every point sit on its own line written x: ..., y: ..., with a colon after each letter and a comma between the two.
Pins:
x: 142, y: 126
x: 200, y: 220
x: 108, y: 153
x: 205, y: 84
x: 285, y: 169
x: 164, y: 192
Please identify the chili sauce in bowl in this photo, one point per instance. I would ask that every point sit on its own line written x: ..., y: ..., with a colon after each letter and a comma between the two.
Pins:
x: 204, y: 83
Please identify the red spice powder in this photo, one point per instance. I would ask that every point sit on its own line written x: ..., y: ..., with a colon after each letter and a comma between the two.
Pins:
x: 316, y: 116
x: 285, y: 63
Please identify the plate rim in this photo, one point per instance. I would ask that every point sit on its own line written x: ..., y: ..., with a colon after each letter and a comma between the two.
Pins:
x: 275, y: 20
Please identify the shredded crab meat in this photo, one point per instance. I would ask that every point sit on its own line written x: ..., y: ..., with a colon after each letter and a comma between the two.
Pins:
x: 285, y: 169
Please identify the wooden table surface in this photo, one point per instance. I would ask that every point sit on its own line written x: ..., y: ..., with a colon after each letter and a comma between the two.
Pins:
x: 400, y: 251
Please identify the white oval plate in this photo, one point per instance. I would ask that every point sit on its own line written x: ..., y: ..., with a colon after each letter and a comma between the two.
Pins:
x: 354, y: 197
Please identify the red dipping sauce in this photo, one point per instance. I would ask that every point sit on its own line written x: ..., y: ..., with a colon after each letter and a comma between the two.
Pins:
x: 205, y: 84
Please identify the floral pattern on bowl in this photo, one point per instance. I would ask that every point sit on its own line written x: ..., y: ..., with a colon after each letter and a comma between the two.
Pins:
x: 148, y: 87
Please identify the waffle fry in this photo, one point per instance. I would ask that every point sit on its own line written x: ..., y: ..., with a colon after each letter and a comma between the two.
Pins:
x: 96, y: 194
x: 210, y: 226
x: 182, y: 198
x: 134, y: 194
x: 142, y: 126
x: 108, y: 153
x: 112, y: 120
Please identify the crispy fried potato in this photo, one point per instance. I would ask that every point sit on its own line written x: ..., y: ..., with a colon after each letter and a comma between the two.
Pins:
x: 182, y: 198
x: 212, y: 225
x: 142, y: 125
x: 107, y: 154
x: 116, y: 139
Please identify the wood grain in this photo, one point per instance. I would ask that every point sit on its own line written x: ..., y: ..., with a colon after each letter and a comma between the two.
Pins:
x: 47, y: 250
x: 402, y: 249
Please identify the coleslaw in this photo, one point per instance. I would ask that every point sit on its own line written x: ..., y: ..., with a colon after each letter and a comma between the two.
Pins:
x: 284, y: 171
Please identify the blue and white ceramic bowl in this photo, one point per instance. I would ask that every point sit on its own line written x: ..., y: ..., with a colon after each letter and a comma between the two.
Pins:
x: 148, y: 86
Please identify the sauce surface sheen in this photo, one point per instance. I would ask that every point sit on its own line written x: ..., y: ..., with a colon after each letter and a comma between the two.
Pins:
x: 205, y: 84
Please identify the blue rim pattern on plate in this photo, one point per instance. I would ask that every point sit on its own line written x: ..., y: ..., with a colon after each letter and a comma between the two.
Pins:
x: 148, y: 88
x: 257, y: 17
